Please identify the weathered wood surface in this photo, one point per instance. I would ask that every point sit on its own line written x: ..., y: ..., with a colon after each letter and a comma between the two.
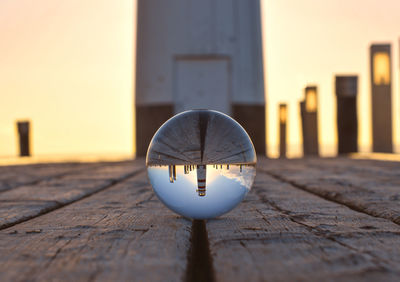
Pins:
x: 27, y: 201
x: 369, y: 186
x: 13, y: 176
x: 120, y: 234
x: 285, y: 234
x: 304, y: 220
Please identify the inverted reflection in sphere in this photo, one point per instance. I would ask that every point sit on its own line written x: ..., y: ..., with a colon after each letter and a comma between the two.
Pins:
x: 201, y: 163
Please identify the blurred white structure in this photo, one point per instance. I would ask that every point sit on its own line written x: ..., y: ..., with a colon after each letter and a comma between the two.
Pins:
x: 194, y: 54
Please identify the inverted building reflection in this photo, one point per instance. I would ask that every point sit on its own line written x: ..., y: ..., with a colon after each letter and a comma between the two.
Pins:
x: 201, y: 173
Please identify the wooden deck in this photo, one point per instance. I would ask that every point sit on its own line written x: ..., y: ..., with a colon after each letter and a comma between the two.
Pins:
x: 304, y: 220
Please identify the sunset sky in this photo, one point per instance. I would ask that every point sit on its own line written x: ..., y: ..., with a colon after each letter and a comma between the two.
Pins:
x: 68, y: 67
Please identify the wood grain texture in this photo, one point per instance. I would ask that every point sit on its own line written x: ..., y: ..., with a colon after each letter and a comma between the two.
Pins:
x: 304, y: 220
x: 14, y: 176
x: 120, y: 234
x: 27, y: 201
x: 368, y: 186
x: 280, y: 233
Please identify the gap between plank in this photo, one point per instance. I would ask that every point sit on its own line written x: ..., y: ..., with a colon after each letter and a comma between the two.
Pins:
x: 323, y: 233
x: 60, y: 205
x: 55, y: 176
x: 327, y: 197
x: 199, y: 266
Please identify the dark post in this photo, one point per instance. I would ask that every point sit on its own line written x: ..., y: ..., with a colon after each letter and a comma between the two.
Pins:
x: 282, y: 130
x: 381, y: 98
x: 252, y: 118
x: 346, y: 97
x: 148, y: 120
x: 23, y: 132
x: 309, y: 121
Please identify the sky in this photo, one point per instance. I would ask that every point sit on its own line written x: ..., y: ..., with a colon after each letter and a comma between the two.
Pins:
x: 68, y: 66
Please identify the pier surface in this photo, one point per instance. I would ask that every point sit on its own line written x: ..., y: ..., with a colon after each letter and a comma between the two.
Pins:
x: 304, y: 220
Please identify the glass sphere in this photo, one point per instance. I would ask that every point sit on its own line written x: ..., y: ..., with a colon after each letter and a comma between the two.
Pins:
x: 201, y: 163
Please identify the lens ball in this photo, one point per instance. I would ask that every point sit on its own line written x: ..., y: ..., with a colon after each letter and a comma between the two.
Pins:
x: 201, y: 163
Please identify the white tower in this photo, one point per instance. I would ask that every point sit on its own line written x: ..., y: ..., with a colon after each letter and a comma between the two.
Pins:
x: 196, y: 54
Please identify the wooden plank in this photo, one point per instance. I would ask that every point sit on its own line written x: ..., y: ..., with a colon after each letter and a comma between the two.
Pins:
x: 14, y: 176
x: 20, y: 210
x: 370, y: 168
x: 106, y: 171
x: 368, y: 186
x: 119, y: 234
x: 25, y: 202
x: 281, y: 233
x: 372, y: 235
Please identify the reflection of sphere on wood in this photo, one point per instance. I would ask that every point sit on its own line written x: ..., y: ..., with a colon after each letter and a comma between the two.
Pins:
x: 200, y: 137
x: 201, y: 163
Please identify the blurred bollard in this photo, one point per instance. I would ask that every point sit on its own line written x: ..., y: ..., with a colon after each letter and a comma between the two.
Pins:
x: 346, y: 95
x: 381, y: 97
x: 24, y: 138
x: 309, y: 121
x: 282, y: 130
